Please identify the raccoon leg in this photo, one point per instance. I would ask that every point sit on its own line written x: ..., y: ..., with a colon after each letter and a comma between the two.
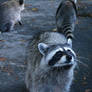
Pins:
x: 19, y: 20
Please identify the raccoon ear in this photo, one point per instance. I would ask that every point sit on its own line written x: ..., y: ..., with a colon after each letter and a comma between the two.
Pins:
x: 21, y: 2
x: 42, y: 48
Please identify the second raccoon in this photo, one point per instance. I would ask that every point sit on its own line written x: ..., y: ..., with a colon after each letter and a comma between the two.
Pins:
x: 10, y: 14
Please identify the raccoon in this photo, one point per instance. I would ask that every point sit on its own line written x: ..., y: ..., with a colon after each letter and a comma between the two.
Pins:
x: 10, y: 14
x: 65, y: 21
x: 51, y: 60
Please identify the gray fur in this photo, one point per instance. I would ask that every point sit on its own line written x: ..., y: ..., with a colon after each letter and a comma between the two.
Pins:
x: 10, y: 14
x: 50, y: 52
x: 66, y: 18
x: 41, y: 78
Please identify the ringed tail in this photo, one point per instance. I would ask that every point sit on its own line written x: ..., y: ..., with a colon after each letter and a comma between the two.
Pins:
x: 66, y: 18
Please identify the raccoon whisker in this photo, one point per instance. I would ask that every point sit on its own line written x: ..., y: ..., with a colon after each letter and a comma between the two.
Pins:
x: 77, y: 65
x: 84, y: 64
x: 80, y: 57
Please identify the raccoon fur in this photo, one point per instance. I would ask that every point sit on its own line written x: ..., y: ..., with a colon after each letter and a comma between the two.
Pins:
x: 66, y: 21
x: 51, y: 61
x: 10, y: 14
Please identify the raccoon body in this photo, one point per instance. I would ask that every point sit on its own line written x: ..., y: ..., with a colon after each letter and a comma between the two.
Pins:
x: 51, y: 59
x: 10, y: 14
x: 50, y: 63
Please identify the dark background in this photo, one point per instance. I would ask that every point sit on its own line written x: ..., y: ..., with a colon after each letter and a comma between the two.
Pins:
x: 39, y: 15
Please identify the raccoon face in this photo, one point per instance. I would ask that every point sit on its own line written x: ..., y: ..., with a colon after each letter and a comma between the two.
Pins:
x: 57, y: 55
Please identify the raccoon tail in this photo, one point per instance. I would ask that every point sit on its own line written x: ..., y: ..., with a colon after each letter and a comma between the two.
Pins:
x: 21, y: 2
x: 66, y: 18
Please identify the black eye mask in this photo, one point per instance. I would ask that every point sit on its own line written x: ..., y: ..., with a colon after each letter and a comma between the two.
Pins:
x: 56, y: 58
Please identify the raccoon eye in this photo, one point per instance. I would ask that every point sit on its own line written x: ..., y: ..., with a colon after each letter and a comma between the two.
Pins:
x: 69, y: 50
x: 56, y: 58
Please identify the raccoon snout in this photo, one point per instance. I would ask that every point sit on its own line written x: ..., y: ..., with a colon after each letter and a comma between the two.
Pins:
x: 68, y: 58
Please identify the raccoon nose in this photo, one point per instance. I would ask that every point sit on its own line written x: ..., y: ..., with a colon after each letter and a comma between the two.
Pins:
x: 68, y: 57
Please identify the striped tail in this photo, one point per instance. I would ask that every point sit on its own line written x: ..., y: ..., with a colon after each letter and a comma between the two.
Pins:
x: 66, y: 18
